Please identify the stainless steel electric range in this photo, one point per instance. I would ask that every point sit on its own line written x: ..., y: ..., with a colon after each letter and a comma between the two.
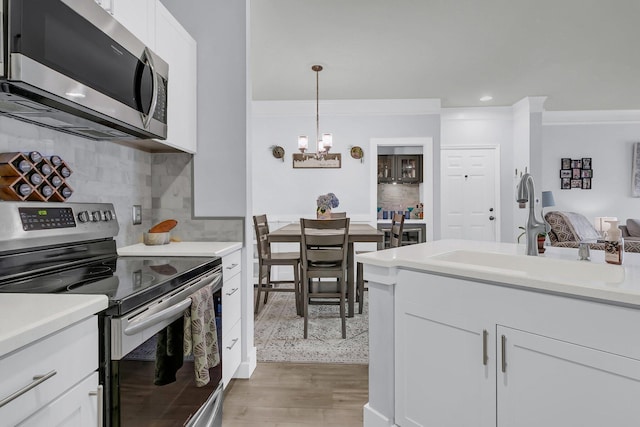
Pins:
x: 70, y: 248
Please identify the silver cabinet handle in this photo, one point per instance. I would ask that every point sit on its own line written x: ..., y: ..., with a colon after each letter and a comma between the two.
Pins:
x: 485, y: 354
x: 37, y: 380
x: 233, y: 291
x: 232, y: 266
x: 504, y: 353
x: 100, y: 396
x: 233, y: 343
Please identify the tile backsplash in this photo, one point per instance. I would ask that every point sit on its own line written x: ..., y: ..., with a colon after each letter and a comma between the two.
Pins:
x: 105, y: 171
x: 398, y: 196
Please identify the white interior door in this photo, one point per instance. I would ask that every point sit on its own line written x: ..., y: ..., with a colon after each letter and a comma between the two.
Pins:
x: 469, y: 196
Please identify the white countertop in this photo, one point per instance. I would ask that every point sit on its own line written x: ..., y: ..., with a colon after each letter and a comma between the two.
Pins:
x: 25, y: 318
x: 181, y: 249
x: 557, y: 271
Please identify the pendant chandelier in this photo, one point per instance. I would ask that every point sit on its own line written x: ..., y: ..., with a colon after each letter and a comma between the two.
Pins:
x: 323, y: 142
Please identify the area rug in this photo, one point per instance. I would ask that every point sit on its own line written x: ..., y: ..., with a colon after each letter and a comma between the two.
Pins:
x: 278, y: 333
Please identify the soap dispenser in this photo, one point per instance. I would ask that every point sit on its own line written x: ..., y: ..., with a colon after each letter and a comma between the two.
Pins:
x: 613, y: 244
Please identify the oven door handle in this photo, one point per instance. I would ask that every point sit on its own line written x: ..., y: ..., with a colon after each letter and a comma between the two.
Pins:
x: 142, y: 324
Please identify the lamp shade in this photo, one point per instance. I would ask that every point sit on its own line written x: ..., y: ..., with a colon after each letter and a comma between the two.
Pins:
x: 547, y: 199
x: 601, y: 224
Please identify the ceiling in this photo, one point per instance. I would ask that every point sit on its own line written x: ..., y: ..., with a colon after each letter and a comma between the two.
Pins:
x: 581, y: 54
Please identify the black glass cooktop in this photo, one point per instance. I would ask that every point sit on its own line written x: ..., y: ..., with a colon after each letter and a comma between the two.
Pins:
x: 128, y: 281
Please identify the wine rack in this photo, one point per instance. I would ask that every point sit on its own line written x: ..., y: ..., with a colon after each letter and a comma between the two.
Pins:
x: 30, y: 176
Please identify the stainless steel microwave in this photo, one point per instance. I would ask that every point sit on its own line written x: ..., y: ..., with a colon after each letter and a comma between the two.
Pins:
x: 70, y: 66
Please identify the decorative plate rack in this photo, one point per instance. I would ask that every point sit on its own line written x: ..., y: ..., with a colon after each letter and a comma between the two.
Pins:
x: 30, y: 176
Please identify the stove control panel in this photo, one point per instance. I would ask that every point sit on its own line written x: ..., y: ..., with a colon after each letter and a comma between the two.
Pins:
x: 46, y: 218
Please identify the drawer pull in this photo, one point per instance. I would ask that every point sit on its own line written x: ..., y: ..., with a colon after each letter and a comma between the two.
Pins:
x: 485, y: 354
x: 233, y: 291
x: 233, y: 342
x: 504, y: 353
x: 100, y: 398
x: 37, y: 380
x: 232, y: 266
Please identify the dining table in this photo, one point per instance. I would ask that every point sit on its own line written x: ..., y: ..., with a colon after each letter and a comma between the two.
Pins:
x: 358, y: 233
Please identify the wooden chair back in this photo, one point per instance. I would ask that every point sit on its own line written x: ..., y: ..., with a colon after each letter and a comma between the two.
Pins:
x: 324, y: 246
x: 338, y: 215
x: 261, y: 228
x: 397, y: 224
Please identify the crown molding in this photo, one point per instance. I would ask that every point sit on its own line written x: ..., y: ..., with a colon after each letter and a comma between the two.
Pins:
x: 591, y: 117
x: 372, y: 107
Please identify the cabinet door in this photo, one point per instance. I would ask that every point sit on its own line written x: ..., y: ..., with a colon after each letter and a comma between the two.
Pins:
x: 74, y: 408
x: 444, y: 371
x: 178, y: 48
x: 548, y: 382
x: 409, y: 169
x: 137, y: 16
x: 386, y: 168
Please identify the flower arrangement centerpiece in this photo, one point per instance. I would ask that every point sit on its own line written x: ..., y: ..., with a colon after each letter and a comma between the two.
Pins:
x: 325, y: 203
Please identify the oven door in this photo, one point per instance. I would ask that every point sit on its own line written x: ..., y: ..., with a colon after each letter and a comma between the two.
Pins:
x: 153, y: 383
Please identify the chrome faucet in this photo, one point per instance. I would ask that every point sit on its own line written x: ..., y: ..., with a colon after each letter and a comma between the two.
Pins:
x: 526, y: 193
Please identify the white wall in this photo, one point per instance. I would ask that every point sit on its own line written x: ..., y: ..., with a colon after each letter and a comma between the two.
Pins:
x: 221, y: 31
x: 283, y: 192
x: 610, y: 147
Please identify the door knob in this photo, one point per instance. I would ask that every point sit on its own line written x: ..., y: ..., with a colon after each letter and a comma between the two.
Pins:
x: 491, y: 218
x: 490, y: 209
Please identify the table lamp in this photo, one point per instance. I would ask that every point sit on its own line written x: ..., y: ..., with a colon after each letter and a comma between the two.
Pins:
x: 601, y: 224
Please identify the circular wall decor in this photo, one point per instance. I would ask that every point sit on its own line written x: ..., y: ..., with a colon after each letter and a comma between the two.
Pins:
x: 278, y: 152
x: 357, y: 153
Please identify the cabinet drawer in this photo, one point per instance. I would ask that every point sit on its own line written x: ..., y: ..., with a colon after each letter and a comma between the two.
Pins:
x: 231, y: 265
x: 231, y: 352
x: 76, y: 407
x: 68, y: 356
x: 231, y: 302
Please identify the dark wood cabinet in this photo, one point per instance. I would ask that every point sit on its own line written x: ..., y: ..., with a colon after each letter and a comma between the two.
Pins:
x: 403, y: 169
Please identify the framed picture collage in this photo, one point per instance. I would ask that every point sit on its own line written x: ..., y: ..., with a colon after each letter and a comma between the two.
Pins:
x: 576, y: 173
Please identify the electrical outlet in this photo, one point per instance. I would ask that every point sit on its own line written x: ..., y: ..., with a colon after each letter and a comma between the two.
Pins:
x: 137, y: 214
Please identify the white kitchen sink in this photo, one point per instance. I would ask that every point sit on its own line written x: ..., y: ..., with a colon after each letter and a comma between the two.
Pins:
x: 542, y: 268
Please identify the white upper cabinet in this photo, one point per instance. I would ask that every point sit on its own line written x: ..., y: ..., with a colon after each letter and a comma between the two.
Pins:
x: 154, y: 25
x: 179, y: 49
x: 138, y: 16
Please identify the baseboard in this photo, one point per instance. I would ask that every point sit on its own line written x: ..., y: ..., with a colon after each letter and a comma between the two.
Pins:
x: 373, y: 418
x: 246, y: 368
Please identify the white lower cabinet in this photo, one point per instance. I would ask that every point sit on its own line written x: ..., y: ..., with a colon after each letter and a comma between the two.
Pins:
x: 549, y: 382
x: 53, y: 381
x: 231, y: 315
x: 475, y: 354
x: 443, y: 376
x: 77, y: 407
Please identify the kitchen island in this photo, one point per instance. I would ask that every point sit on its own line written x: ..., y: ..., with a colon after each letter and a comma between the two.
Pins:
x: 482, y: 335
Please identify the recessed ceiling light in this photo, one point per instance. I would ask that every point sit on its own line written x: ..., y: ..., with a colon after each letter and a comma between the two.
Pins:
x: 486, y: 98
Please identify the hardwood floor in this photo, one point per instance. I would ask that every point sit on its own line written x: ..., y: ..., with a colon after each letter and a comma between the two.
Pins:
x: 298, y: 394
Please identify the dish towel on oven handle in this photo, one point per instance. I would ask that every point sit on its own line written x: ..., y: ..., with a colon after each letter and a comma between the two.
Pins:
x: 200, y: 334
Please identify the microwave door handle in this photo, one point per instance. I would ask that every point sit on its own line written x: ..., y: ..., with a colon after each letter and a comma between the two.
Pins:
x: 2, y: 39
x: 146, y: 118
x: 155, y: 318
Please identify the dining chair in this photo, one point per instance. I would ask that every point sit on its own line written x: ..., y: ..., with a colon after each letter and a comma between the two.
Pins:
x: 268, y: 259
x: 324, y: 246
x: 397, y: 224
x: 338, y: 215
